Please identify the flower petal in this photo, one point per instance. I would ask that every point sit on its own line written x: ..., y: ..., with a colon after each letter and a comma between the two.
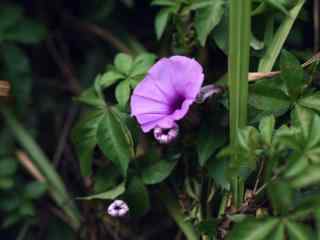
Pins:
x: 166, y: 122
x: 148, y: 89
x: 188, y: 75
x: 166, y: 93
x: 180, y: 113
x: 149, y: 117
x: 141, y: 105
x: 162, y: 74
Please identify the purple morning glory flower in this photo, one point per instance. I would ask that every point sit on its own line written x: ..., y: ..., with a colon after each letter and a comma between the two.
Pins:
x: 118, y: 208
x: 166, y: 93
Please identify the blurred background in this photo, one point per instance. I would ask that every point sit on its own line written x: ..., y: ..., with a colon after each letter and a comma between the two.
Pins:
x: 50, y: 51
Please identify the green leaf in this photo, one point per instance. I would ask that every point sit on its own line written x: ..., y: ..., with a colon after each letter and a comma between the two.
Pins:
x: 314, y: 133
x: 207, y: 144
x: 18, y: 72
x: 84, y: 138
x: 208, y: 227
x: 91, y: 98
x: 217, y: 170
x: 106, y: 178
x: 207, y: 18
x: 279, y: 233
x: 9, y: 15
x: 302, y: 118
x: 297, y: 165
x: 306, y: 205
x: 142, y: 64
x: 157, y: 172
x: 10, y: 203
x: 269, y: 98
x: 281, y: 5
x: 35, y: 190
x: 311, y: 101
x: 6, y: 183
x: 123, y: 63
x: 137, y: 197
x: 309, y: 123
x: 299, y: 231
x: 292, y: 74
x: 109, y: 78
x: 253, y: 229
x: 8, y: 166
x: 220, y: 34
x: 248, y: 138
x: 287, y: 137
x: 268, y: 60
x: 110, y: 194
x: 115, y: 140
x: 29, y: 32
x: 197, y: 4
x: 266, y: 127
x: 162, y: 20
x: 281, y: 195
x: 122, y: 93
x: 310, y: 176
x: 163, y: 3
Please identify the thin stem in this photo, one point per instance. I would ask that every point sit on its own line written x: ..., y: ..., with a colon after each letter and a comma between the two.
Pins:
x: 24, y: 231
x: 4, y: 88
x: 258, y: 176
x: 253, y: 76
x: 175, y: 212
x: 275, y: 177
x: 223, y: 204
x: 239, y: 46
x: 103, y: 33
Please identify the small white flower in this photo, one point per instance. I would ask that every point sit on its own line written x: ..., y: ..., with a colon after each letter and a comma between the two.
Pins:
x: 165, y: 136
x: 118, y: 208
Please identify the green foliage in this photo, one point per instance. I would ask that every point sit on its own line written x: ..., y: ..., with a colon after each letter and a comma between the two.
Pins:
x: 17, y: 28
x: 57, y: 188
x: 292, y: 74
x: 137, y: 196
x: 105, y: 128
x: 207, y: 18
x: 84, y: 137
x: 158, y: 171
x: 110, y: 194
x: 127, y: 72
x: 250, y: 229
x: 267, y: 62
x: 115, y: 140
x: 208, y: 142
x: 207, y: 15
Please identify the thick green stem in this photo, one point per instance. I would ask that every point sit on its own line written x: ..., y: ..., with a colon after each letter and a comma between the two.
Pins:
x: 237, y: 188
x: 239, y: 47
x: 175, y: 212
